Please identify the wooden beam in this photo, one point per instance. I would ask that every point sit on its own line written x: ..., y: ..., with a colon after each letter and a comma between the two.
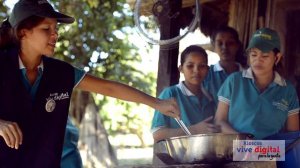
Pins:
x: 146, y: 6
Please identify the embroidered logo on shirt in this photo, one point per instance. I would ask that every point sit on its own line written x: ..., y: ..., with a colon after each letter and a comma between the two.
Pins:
x: 281, y: 104
x: 53, y: 97
x: 50, y: 105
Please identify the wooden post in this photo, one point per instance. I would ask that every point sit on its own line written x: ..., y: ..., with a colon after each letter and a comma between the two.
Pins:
x: 168, y: 55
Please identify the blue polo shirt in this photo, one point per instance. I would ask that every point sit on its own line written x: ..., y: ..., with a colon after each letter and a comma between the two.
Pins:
x: 261, y: 114
x: 70, y: 155
x: 215, y: 78
x: 32, y: 89
x: 192, y: 109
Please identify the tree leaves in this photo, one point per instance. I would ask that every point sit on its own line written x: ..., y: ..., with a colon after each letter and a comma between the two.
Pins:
x: 98, y: 41
x: 3, y: 10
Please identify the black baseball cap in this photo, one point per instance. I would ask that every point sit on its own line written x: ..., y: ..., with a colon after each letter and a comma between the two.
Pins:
x: 26, y: 8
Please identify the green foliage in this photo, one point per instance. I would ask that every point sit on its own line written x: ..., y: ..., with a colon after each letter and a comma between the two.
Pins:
x: 101, y: 30
x: 98, y: 41
x: 3, y: 10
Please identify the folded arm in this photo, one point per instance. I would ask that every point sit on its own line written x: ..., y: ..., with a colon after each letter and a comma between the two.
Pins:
x: 292, y: 123
x: 202, y: 127
x: 164, y: 133
x: 221, y: 118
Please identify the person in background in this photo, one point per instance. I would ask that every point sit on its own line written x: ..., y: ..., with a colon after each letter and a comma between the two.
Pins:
x: 36, y: 89
x: 259, y: 100
x: 226, y: 43
x: 71, y: 157
x: 196, y: 104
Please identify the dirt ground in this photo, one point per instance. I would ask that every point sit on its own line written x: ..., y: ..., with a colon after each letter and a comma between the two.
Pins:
x: 134, y: 156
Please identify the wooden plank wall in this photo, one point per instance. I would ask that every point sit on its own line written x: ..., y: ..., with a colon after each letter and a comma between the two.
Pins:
x: 243, y: 17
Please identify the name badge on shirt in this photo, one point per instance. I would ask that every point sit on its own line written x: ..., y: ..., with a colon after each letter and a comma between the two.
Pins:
x: 53, y: 97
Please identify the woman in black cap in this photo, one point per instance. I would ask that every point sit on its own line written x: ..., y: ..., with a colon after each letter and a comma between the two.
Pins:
x: 36, y: 89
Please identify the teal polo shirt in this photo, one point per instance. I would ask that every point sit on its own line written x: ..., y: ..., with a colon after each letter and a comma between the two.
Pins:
x: 70, y: 155
x: 261, y: 114
x: 32, y: 89
x: 193, y: 110
x: 215, y: 78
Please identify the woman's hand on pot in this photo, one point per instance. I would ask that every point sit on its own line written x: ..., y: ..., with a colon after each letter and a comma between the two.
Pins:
x: 168, y: 107
x: 205, y: 126
x: 11, y: 133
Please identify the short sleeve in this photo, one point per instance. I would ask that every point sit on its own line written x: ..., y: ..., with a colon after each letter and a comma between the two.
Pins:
x: 79, y: 75
x: 159, y: 120
x: 294, y: 102
x: 225, y: 91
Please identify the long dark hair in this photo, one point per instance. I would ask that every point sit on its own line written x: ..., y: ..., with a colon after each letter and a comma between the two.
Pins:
x: 240, y: 55
x: 7, y: 39
x: 11, y: 36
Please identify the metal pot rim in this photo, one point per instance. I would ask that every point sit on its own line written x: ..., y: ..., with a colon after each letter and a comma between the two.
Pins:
x: 208, y: 135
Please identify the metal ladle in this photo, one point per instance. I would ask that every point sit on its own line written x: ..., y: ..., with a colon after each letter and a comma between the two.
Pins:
x: 183, y: 126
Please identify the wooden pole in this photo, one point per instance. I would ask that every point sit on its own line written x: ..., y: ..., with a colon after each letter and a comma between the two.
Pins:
x: 168, y: 55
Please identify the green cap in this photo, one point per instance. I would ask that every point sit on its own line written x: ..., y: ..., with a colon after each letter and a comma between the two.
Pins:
x: 265, y: 39
x: 27, y: 8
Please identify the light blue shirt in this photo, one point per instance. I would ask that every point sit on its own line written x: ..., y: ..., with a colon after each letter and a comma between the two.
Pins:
x: 215, y: 78
x: 70, y: 155
x: 192, y: 109
x: 250, y: 111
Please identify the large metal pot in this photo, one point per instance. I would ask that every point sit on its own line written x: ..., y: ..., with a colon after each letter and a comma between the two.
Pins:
x: 201, y: 148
